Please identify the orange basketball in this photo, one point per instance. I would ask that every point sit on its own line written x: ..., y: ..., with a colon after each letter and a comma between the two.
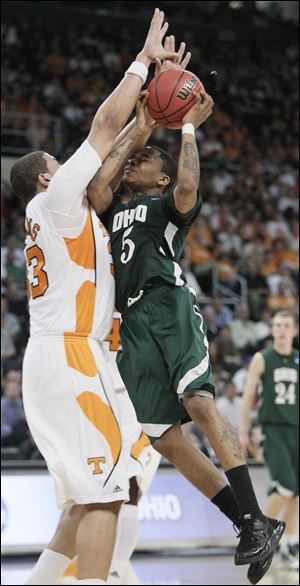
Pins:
x: 171, y: 97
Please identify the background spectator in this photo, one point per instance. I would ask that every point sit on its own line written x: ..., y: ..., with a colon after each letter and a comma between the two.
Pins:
x: 11, y: 408
x: 230, y: 405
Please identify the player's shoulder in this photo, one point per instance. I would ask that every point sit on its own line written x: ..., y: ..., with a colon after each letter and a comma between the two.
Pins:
x: 267, y: 352
x: 258, y: 363
x: 35, y: 204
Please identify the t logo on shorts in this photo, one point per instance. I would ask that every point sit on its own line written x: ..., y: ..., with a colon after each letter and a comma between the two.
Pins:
x: 96, y: 461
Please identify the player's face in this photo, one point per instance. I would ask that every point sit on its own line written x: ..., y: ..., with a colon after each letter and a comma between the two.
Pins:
x: 144, y: 170
x: 284, y: 329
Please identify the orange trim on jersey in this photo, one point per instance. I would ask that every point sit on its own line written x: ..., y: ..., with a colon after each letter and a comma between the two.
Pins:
x: 102, y: 417
x: 72, y: 569
x: 76, y: 334
x: 82, y: 249
x: 139, y: 445
x: 85, y: 306
x: 79, y: 355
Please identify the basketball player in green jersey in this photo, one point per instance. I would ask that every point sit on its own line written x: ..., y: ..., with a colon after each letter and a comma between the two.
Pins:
x: 276, y: 370
x: 164, y: 362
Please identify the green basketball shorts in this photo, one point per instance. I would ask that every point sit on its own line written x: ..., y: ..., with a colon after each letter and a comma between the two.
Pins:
x: 281, y: 452
x: 164, y: 357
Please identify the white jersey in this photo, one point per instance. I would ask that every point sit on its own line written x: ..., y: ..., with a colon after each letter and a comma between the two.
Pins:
x: 69, y: 265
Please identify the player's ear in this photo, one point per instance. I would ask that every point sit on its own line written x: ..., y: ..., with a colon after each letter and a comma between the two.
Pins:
x: 163, y: 180
x: 44, y: 178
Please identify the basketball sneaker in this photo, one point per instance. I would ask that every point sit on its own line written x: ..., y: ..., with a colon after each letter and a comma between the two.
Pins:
x: 255, y: 540
x: 258, y: 569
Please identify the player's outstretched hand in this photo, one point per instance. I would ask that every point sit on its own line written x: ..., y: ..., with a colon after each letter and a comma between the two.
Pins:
x: 200, y: 111
x: 153, y: 48
x: 179, y: 62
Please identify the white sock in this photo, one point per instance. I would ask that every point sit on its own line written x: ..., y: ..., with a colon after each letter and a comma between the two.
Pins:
x: 130, y: 577
x: 48, y: 568
x: 126, y: 538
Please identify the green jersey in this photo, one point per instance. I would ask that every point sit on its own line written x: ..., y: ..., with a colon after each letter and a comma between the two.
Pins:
x: 279, y: 394
x: 147, y: 236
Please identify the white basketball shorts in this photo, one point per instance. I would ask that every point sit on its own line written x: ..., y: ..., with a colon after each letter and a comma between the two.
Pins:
x: 73, y: 415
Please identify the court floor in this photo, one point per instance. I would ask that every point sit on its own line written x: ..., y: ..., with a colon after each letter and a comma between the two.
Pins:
x: 153, y: 570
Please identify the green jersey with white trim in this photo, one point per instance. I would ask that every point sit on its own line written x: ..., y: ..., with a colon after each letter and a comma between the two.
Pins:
x: 147, y: 236
x: 279, y: 393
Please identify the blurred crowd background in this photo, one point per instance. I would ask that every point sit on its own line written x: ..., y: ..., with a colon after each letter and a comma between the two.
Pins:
x: 61, y: 60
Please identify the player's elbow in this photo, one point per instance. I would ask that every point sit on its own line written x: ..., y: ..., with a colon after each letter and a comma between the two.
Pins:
x: 107, y: 120
x: 186, y: 189
x: 104, y: 125
x: 185, y: 197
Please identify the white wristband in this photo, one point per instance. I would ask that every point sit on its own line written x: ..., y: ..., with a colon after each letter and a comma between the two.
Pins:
x: 139, y: 69
x: 188, y: 129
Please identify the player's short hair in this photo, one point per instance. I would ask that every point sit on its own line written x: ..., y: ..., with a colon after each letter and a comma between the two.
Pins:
x: 24, y: 174
x: 169, y: 167
x: 285, y: 313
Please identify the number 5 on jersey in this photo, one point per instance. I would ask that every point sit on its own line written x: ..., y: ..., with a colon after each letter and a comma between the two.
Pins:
x: 128, y: 247
x: 37, y: 278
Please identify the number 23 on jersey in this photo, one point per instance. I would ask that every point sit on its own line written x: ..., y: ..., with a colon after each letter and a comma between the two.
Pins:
x: 37, y: 278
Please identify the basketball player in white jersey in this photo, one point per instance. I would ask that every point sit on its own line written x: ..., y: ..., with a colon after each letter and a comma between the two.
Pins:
x: 142, y: 461
x: 68, y: 396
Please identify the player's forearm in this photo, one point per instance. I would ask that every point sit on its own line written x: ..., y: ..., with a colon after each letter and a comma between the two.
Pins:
x: 112, y: 169
x: 117, y: 159
x: 122, y: 135
x: 188, y: 174
x: 188, y: 167
x: 120, y: 104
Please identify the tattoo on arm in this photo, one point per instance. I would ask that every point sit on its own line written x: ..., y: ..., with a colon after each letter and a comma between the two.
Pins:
x: 117, y: 158
x: 191, y: 160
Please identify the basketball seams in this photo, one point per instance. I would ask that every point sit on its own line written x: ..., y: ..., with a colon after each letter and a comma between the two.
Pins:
x: 160, y: 111
x: 165, y: 118
x: 181, y: 108
x: 171, y: 96
x: 173, y: 91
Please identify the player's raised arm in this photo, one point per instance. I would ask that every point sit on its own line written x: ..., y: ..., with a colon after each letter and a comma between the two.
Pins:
x: 133, y: 137
x: 73, y: 177
x: 255, y: 371
x: 105, y: 182
x: 115, y: 111
x: 188, y: 175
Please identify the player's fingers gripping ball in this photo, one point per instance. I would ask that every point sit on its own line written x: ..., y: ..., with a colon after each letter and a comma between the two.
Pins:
x: 171, y: 96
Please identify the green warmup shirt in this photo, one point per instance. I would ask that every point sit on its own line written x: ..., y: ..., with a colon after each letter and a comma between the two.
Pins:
x: 279, y: 393
x: 147, y: 236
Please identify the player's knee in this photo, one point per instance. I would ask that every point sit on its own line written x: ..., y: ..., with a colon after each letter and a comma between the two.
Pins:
x: 201, y: 409
x: 166, y: 443
x: 162, y: 447
x: 74, y: 513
